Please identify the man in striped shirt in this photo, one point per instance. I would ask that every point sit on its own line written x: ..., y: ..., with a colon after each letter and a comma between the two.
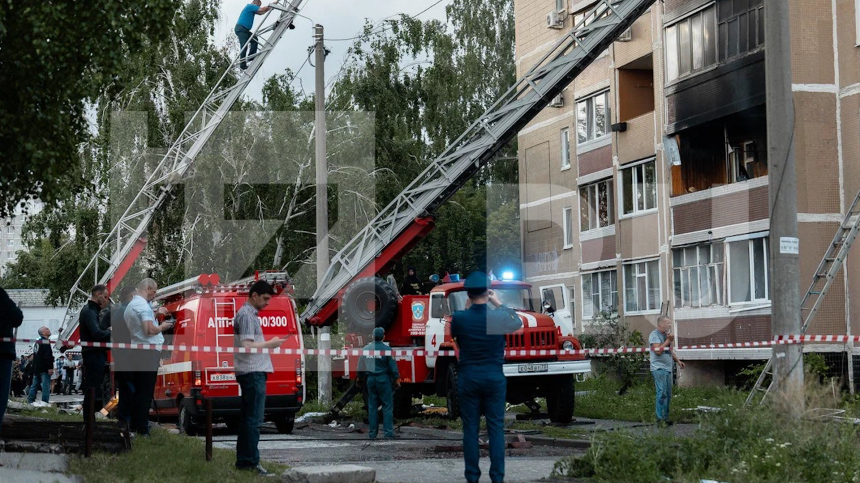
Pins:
x: 252, y: 370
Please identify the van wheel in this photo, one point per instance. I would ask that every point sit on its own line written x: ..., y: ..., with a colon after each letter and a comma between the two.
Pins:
x: 285, y: 424
x: 368, y: 303
x: 451, y: 396
x: 187, y: 424
x: 561, y: 399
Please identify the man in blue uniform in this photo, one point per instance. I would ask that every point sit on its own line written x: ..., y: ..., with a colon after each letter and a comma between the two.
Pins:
x: 379, y: 373
x: 481, y: 385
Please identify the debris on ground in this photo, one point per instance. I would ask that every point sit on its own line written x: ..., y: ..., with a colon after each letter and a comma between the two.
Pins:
x: 309, y: 416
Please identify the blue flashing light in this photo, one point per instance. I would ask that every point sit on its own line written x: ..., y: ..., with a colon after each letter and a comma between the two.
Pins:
x: 454, y: 277
x: 507, y: 275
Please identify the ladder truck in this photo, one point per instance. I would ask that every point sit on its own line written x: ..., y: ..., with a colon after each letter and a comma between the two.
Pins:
x: 409, y: 217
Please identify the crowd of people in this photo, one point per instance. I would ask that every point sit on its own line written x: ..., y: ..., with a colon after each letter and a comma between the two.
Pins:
x: 66, y: 378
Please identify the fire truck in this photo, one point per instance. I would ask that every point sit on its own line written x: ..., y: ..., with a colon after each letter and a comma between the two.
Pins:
x: 422, y: 322
x: 203, y: 310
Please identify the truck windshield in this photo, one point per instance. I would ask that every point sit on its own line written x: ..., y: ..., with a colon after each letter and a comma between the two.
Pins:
x: 515, y: 298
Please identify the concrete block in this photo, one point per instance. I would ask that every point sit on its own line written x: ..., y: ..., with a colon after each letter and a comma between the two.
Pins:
x: 702, y: 374
x: 57, y: 463
x: 330, y: 474
x: 8, y: 475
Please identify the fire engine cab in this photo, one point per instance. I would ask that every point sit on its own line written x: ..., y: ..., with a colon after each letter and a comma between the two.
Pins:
x: 204, y: 310
x: 423, y: 322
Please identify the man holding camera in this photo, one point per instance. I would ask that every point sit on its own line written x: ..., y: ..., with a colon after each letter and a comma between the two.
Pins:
x: 662, y: 365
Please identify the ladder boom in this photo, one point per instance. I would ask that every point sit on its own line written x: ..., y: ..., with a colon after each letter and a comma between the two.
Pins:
x: 121, y: 247
x: 477, y: 145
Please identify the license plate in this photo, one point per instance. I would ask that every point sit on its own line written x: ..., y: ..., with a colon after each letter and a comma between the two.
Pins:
x: 222, y: 377
x: 525, y: 368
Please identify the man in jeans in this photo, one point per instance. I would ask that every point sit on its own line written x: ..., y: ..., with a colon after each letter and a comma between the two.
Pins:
x: 43, y: 367
x: 244, y: 27
x: 252, y: 370
x: 661, y: 366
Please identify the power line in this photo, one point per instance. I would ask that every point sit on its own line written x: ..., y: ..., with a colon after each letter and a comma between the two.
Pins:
x: 382, y: 29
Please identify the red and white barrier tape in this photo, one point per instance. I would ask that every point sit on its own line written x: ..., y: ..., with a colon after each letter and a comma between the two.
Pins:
x: 791, y: 339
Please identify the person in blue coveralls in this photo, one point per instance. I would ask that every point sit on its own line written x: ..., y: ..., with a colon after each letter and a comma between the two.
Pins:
x: 481, y: 385
x: 379, y: 373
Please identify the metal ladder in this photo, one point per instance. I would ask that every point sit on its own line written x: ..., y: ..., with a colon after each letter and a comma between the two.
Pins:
x: 117, y: 249
x: 230, y: 308
x: 481, y: 141
x: 825, y: 274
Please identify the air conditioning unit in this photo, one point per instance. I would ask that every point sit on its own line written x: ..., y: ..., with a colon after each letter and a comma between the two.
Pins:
x: 555, y: 20
x: 626, y: 36
x: 557, y: 101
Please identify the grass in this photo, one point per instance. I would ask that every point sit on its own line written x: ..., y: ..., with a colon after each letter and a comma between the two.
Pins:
x: 637, y: 404
x: 50, y: 412
x: 165, y: 457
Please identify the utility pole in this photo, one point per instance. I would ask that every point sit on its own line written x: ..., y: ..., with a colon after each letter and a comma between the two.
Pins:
x: 323, y: 361
x: 784, y: 245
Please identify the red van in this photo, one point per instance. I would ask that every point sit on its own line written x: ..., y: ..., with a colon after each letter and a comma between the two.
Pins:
x: 203, y: 310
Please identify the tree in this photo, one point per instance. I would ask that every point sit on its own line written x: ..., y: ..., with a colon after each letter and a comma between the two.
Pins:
x: 55, y: 57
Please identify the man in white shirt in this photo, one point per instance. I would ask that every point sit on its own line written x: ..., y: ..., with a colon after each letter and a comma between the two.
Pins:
x: 140, y: 320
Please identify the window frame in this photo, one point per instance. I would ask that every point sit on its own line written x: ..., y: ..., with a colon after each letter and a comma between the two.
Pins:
x: 677, y: 41
x: 621, y: 192
x: 599, y: 274
x: 564, y: 138
x: 713, y: 276
x: 591, y: 118
x: 594, y: 189
x: 749, y: 240
x: 567, y: 227
x: 658, y: 301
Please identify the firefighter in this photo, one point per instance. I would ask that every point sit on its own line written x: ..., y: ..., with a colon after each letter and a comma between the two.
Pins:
x: 379, y: 374
x: 412, y: 285
x: 481, y: 385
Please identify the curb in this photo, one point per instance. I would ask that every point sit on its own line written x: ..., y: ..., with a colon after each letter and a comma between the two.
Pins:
x: 330, y: 474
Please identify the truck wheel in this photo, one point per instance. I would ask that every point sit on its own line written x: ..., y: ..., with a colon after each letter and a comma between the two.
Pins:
x: 285, y: 424
x: 187, y: 411
x: 451, y: 396
x: 560, y: 400
x: 402, y: 403
x: 368, y: 303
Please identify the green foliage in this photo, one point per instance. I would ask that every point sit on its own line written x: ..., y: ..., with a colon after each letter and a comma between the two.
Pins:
x: 611, y: 331
x: 737, y: 444
x: 54, y: 58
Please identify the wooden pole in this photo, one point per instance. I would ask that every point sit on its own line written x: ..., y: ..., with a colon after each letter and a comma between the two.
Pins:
x: 208, y: 405
x: 89, y: 421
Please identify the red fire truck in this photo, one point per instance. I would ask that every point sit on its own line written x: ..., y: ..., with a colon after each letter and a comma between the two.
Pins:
x: 422, y: 322
x: 204, y: 310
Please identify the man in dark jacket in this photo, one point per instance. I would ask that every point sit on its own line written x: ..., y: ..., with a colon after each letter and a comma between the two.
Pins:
x: 122, y: 358
x: 43, y: 367
x: 10, y: 319
x: 481, y: 384
x: 94, y: 358
x: 412, y: 285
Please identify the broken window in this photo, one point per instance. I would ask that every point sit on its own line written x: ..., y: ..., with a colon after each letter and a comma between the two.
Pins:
x: 568, y: 227
x: 599, y: 293
x: 591, y: 117
x: 596, y: 206
x: 698, y: 272
x: 748, y: 266
x: 642, y: 286
x: 741, y: 27
x: 636, y: 89
x: 691, y: 44
x: 639, y: 185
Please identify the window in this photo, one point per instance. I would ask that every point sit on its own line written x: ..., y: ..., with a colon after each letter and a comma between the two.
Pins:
x: 591, y: 117
x: 748, y: 266
x: 741, y: 27
x: 565, y: 148
x: 691, y: 44
x: 742, y: 162
x: 567, y: 222
x: 10, y: 243
x: 639, y: 185
x: 699, y: 275
x: 10, y: 230
x: 599, y: 293
x: 596, y: 206
x: 642, y: 286
x: 857, y: 20
x: 9, y: 256
x: 560, y: 5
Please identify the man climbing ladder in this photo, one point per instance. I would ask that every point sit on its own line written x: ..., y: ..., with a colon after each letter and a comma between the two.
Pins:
x: 244, y: 27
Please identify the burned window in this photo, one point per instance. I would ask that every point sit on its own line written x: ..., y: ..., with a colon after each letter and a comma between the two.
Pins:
x: 596, y: 206
x: 748, y: 266
x: 741, y: 27
x: 592, y: 115
x: 639, y: 185
x: 699, y: 275
x: 691, y: 44
x: 599, y: 293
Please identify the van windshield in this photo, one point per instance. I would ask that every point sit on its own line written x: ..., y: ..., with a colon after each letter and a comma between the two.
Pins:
x: 515, y: 298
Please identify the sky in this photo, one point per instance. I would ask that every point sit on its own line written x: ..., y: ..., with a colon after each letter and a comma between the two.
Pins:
x: 340, y: 19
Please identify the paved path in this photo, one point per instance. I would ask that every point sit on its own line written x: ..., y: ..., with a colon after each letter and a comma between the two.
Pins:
x: 517, y: 470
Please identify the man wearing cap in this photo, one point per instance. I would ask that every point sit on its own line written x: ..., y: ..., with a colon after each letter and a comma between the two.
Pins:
x: 379, y: 373
x: 481, y: 385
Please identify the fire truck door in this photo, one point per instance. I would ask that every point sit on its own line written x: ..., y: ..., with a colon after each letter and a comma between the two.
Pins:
x: 559, y: 300
x: 435, y: 333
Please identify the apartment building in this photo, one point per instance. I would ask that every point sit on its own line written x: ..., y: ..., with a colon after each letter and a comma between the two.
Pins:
x: 11, y: 240
x: 644, y: 186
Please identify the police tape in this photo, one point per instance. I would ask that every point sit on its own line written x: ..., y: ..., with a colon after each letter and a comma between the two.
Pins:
x: 781, y: 340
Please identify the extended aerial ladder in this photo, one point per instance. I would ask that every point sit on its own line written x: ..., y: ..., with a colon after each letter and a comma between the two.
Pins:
x: 408, y: 218
x: 822, y: 279
x: 125, y: 242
